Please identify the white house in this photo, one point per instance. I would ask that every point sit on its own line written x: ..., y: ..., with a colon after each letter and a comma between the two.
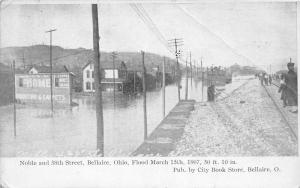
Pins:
x: 110, y: 74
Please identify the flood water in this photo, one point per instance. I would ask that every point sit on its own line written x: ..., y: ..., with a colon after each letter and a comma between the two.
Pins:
x: 72, y: 130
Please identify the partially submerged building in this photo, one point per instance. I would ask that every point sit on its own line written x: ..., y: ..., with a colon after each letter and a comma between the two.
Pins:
x: 111, y: 75
x: 33, y: 85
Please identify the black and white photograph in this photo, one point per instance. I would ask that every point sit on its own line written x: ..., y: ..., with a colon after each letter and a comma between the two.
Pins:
x: 134, y: 79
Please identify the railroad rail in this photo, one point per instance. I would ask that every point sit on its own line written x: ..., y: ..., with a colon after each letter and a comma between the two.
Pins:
x: 281, y: 112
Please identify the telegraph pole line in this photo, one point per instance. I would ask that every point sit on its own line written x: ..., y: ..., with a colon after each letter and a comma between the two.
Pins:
x: 98, y: 88
x: 186, y: 80
x: 51, y: 69
x: 191, y: 67
x: 134, y: 81
x: 23, y: 59
x: 144, y: 96
x: 177, y: 64
x: 114, y: 55
x: 14, y: 98
x: 176, y: 43
x: 1, y: 31
x: 202, y: 78
x: 164, y: 87
x: 194, y: 68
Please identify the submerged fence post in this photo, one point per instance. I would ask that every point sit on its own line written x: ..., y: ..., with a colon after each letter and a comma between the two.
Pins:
x: 163, y: 87
x: 144, y: 96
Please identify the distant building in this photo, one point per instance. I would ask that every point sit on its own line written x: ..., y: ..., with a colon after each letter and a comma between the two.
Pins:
x: 110, y: 73
x: 33, y: 85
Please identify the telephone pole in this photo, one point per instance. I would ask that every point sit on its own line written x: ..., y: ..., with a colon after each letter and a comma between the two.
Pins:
x: 98, y: 89
x: 186, y: 80
x: 0, y: 31
x: 51, y: 69
x: 14, y: 97
x: 176, y: 43
x: 202, y: 79
x: 114, y: 55
x: 23, y: 59
x: 164, y: 87
x: 144, y: 96
x: 191, y: 70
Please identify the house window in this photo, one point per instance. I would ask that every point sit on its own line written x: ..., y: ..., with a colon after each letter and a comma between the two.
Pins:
x: 56, y: 82
x: 88, y: 86
x: 92, y: 74
x: 21, y: 83
x: 93, y: 85
x: 87, y: 73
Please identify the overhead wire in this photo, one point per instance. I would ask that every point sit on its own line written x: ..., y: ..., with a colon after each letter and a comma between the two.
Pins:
x: 215, y: 35
x: 142, y: 14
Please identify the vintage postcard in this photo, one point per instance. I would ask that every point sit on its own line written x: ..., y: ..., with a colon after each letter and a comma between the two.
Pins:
x: 149, y: 94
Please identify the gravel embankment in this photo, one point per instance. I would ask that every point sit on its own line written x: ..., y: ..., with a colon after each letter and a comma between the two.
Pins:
x: 244, y: 124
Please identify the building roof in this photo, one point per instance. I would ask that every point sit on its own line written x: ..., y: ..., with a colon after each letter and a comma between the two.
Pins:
x: 107, y: 64
x: 47, y: 69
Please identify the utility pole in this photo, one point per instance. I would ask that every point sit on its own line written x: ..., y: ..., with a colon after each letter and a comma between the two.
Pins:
x: 1, y: 31
x: 144, y: 96
x: 114, y: 54
x: 177, y: 43
x: 23, y: 59
x: 98, y: 88
x: 208, y: 76
x: 186, y: 80
x: 191, y: 70
x: 51, y: 69
x: 134, y: 81
x: 195, y: 69
x: 14, y: 97
x: 202, y: 74
x: 164, y: 87
x: 196, y: 66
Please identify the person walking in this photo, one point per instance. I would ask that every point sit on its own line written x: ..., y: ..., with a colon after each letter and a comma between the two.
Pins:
x: 270, y: 79
x: 282, y: 89
x: 266, y: 79
x: 261, y: 78
x: 291, y: 85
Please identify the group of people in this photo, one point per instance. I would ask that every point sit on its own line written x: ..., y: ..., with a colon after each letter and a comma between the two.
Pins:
x: 266, y: 79
x: 288, y: 85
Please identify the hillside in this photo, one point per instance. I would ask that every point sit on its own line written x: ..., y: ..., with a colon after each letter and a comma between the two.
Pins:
x: 75, y: 59
x: 6, y: 85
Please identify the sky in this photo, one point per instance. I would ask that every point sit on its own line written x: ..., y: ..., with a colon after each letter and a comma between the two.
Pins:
x: 248, y: 33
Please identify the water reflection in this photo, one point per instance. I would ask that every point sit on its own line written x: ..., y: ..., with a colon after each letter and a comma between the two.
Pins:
x: 73, y: 130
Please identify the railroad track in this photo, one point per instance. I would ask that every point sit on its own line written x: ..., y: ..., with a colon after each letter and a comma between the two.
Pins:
x: 293, y: 132
x: 231, y: 93
x: 277, y: 84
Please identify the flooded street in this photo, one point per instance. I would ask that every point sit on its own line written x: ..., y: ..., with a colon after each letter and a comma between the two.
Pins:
x: 72, y: 131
